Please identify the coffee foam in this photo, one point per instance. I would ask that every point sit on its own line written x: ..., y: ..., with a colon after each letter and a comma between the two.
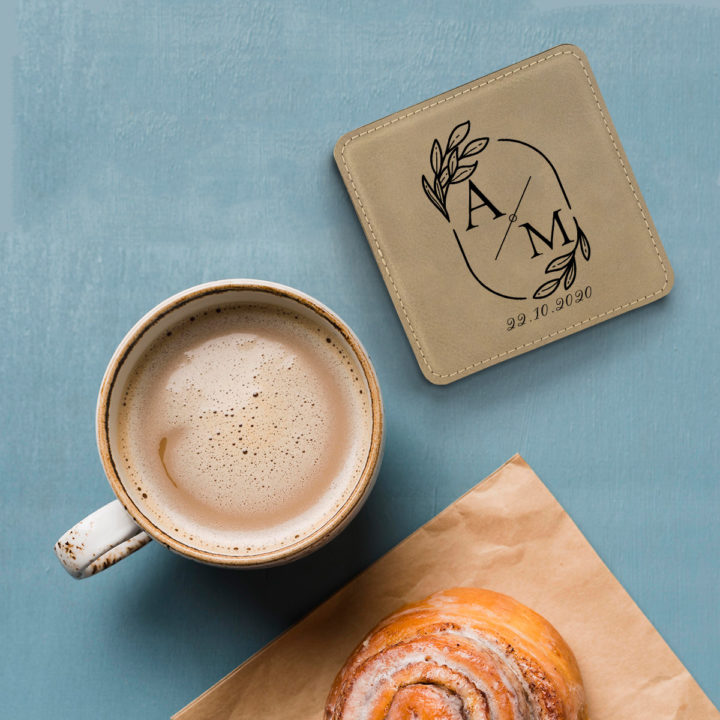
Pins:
x: 244, y: 428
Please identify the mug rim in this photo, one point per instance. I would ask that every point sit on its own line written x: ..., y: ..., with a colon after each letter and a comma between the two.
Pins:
x: 320, y: 535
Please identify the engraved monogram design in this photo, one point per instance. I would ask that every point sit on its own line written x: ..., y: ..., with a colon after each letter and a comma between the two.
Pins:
x: 512, y: 216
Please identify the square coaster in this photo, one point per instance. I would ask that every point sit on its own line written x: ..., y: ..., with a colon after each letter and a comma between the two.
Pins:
x: 504, y: 214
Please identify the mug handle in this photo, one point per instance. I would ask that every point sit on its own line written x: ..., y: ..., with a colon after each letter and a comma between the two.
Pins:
x: 99, y: 541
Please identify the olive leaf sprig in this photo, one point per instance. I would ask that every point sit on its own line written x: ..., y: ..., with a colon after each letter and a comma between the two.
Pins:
x: 565, y: 264
x: 447, y: 166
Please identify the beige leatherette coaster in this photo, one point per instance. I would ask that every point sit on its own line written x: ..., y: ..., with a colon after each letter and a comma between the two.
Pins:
x: 504, y: 215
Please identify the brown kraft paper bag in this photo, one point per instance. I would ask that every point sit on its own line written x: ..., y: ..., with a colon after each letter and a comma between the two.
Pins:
x: 507, y: 534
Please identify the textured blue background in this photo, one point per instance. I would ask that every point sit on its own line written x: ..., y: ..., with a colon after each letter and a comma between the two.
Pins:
x: 156, y: 145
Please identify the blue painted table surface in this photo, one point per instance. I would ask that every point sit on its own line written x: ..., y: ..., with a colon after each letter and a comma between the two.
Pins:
x: 152, y: 146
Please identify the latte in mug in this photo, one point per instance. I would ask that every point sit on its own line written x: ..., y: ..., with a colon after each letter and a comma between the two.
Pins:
x: 239, y: 423
x: 244, y: 426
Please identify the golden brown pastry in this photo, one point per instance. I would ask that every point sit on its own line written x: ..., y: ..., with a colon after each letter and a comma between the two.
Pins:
x: 461, y: 654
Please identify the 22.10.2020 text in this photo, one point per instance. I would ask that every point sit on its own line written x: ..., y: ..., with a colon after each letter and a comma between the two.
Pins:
x: 540, y: 311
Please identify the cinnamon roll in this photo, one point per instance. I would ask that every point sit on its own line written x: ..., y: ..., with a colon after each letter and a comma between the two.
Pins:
x: 460, y: 654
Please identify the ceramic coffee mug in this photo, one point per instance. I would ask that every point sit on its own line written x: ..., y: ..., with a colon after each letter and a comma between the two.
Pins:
x: 128, y: 523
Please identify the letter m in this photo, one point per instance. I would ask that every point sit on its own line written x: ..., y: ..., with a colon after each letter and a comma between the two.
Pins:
x: 534, y: 234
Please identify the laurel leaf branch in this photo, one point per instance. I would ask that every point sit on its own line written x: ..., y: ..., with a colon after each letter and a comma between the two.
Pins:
x: 446, y: 166
x: 566, y: 265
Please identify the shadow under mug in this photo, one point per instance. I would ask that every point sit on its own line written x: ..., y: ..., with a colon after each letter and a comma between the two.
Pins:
x: 121, y: 527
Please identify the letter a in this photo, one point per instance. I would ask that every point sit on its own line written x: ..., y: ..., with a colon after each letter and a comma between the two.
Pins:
x: 473, y: 190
